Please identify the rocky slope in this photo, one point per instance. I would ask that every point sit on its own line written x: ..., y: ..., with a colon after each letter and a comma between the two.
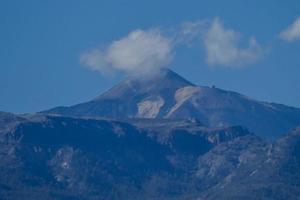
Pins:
x: 53, y: 157
x: 254, y: 170
x: 167, y: 95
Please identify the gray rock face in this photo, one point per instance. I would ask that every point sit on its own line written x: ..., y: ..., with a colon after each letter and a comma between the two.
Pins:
x: 52, y: 157
x: 252, y: 169
x: 167, y: 95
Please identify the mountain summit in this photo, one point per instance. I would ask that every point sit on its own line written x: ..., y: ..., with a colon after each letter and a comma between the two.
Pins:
x: 168, y: 95
x: 134, y: 97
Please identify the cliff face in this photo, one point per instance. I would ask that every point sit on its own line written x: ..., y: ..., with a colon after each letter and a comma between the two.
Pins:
x: 52, y: 157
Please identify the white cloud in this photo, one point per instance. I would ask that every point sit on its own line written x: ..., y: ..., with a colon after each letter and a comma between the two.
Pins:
x: 292, y: 32
x: 139, y: 52
x: 223, y: 49
x: 149, y: 51
x: 95, y: 60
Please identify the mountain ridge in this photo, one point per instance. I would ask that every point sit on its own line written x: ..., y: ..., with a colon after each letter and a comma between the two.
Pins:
x: 168, y: 95
x: 57, y: 157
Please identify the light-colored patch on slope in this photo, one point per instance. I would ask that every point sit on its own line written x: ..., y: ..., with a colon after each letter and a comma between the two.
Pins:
x: 150, y: 107
x: 182, y: 95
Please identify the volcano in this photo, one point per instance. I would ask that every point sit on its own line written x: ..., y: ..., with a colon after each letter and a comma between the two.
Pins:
x: 168, y: 95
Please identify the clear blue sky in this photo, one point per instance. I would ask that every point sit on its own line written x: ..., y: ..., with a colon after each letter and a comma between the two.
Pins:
x: 41, y: 42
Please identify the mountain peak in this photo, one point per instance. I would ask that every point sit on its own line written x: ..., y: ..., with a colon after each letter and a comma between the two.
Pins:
x: 161, y: 81
x: 168, y: 95
x: 162, y: 75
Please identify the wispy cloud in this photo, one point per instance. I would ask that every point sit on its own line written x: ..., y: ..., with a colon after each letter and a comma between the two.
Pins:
x: 223, y: 47
x: 148, y: 51
x: 139, y: 52
x: 191, y: 31
x: 292, y: 32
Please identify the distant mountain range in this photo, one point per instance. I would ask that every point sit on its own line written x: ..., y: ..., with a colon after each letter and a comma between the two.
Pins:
x: 169, y: 96
x: 162, y: 138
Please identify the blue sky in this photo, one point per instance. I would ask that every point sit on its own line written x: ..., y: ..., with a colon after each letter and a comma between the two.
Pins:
x: 42, y: 42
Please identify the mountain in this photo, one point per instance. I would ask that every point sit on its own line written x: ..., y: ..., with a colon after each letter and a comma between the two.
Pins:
x: 250, y: 169
x: 50, y: 157
x: 56, y: 157
x: 161, y: 138
x: 133, y: 97
x: 167, y: 95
